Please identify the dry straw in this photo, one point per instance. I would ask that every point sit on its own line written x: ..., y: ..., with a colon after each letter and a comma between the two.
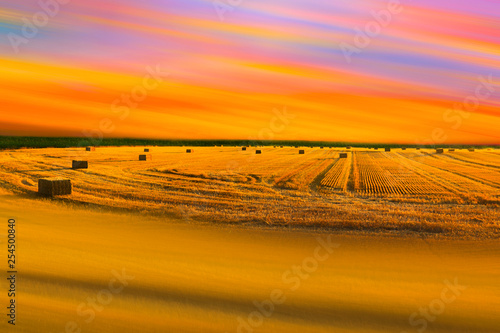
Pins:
x: 80, y: 165
x: 145, y: 157
x: 54, y: 186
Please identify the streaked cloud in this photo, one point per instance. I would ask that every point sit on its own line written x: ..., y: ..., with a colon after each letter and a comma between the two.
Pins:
x: 226, y: 76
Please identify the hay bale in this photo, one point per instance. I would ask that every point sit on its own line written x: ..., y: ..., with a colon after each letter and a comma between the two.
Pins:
x: 321, y: 147
x: 451, y: 149
x: 145, y: 157
x: 146, y: 150
x: 348, y: 147
x: 403, y: 148
x: 281, y: 146
x: 80, y: 165
x: 243, y: 148
x: 387, y: 149
x: 439, y: 151
x: 90, y: 148
x: 471, y: 149
x: 258, y: 151
x: 302, y: 152
x: 189, y: 151
x: 343, y: 155
x: 54, y: 186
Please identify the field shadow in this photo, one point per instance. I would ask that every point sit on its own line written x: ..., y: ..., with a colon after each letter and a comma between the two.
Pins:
x: 112, y: 161
x: 324, y: 314
x: 25, y: 194
x: 56, y: 169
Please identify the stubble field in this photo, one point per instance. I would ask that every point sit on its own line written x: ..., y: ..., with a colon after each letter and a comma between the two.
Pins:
x: 455, y: 193
x: 115, y: 257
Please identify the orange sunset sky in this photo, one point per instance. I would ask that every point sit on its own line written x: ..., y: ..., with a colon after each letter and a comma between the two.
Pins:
x: 429, y: 73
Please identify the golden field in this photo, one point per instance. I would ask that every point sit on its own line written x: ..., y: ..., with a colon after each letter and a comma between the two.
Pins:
x: 141, y: 222
x: 402, y: 191
x: 189, y: 277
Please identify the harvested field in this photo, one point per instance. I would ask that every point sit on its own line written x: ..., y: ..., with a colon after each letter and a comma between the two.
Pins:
x: 188, y: 277
x: 397, y: 191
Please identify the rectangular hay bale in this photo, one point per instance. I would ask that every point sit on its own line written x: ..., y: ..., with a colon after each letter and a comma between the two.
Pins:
x: 145, y: 157
x: 243, y: 148
x: 80, y: 165
x: 189, y: 151
x: 343, y: 155
x: 387, y: 149
x: 54, y: 186
x: 258, y: 151
x: 439, y: 151
x: 90, y: 148
x: 146, y: 150
x: 302, y: 151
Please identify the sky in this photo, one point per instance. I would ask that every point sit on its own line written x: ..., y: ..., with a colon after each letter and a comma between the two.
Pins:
x: 393, y: 71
